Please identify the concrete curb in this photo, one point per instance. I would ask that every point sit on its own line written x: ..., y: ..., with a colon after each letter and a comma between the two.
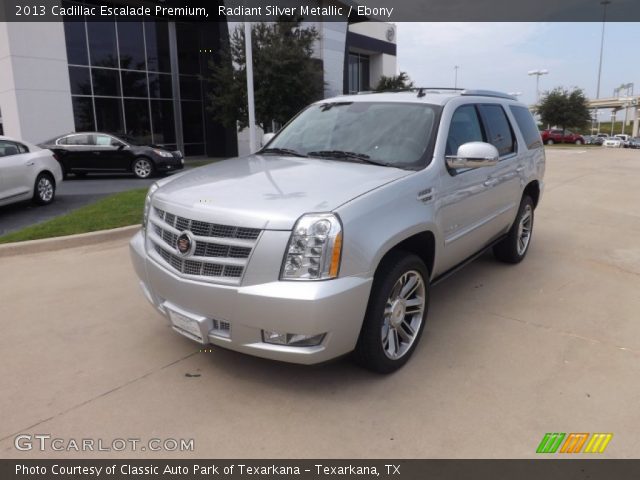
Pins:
x: 69, y: 241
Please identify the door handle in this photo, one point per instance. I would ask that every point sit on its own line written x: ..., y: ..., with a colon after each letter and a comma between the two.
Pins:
x: 490, y: 182
x: 30, y: 164
x: 520, y: 169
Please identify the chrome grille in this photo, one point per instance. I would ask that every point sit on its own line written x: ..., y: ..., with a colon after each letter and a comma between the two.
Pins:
x: 223, y: 261
x: 204, y: 229
x: 196, y: 268
x: 204, y: 249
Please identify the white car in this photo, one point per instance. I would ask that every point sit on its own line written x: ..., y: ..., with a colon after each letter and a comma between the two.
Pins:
x: 27, y: 172
x: 612, y: 142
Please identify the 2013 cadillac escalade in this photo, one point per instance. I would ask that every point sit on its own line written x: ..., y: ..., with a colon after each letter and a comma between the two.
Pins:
x: 326, y: 241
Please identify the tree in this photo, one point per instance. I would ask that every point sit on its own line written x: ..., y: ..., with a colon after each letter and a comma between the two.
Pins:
x: 564, y: 109
x: 395, y: 82
x: 286, y: 77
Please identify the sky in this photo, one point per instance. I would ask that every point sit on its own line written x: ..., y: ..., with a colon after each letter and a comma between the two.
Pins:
x: 497, y: 56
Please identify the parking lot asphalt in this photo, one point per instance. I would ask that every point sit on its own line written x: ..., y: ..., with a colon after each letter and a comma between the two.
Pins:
x: 508, y: 354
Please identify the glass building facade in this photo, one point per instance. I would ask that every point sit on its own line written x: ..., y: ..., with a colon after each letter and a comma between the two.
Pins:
x: 146, y: 80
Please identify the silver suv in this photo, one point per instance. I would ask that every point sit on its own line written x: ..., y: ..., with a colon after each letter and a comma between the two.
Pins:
x: 327, y: 240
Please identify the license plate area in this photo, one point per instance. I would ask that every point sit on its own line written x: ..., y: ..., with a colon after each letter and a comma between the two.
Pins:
x: 194, y: 328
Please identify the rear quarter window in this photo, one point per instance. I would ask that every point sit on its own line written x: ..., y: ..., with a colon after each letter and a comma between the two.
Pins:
x: 527, y: 126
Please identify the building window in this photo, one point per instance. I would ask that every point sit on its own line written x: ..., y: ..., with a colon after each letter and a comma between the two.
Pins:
x: 131, y: 45
x: 189, y: 43
x: 117, y: 69
x: 102, y: 44
x: 83, y: 113
x: 121, y: 80
x: 358, y: 73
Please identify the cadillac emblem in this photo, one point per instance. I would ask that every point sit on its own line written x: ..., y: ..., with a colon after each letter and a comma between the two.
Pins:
x: 185, y: 244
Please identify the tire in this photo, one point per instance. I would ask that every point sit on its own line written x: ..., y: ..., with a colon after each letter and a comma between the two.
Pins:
x: 142, y: 167
x: 578, y: 142
x: 385, y: 343
x: 44, y: 189
x: 550, y: 141
x: 515, y: 246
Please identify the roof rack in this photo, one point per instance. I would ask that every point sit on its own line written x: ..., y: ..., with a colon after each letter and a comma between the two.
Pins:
x: 488, y: 93
x: 422, y: 91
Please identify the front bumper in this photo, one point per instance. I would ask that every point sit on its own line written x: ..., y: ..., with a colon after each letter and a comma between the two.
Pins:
x: 335, y: 307
x: 169, y: 165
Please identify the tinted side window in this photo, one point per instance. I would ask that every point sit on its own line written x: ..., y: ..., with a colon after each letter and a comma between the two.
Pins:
x: 527, y: 126
x: 498, y: 128
x: 103, y: 140
x: 22, y: 148
x: 465, y: 127
x: 8, y: 148
x: 79, y: 140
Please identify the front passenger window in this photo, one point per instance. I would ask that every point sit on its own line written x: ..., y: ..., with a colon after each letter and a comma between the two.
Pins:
x: 465, y: 127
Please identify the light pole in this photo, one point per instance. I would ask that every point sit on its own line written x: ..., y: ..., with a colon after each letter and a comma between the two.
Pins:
x: 250, y: 99
x: 604, y: 4
x: 537, y: 73
x: 455, y: 81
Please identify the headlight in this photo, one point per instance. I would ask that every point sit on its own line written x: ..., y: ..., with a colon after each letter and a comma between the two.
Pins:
x: 314, y: 249
x: 162, y: 153
x: 147, y: 205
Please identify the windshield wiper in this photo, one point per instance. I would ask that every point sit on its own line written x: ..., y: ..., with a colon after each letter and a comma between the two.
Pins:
x: 361, y: 157
x: 282, y: 151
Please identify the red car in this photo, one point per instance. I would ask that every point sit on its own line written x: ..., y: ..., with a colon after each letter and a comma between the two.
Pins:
x: 549, y: 137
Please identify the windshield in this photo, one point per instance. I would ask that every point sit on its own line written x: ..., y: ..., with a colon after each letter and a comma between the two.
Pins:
x: 394, y: 134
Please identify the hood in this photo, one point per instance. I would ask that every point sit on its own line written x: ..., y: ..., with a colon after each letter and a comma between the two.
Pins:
x: 267, y: 191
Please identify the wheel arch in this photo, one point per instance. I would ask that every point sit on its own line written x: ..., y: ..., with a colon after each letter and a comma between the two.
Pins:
x: 48, y: 172
x: 422, y: 244
x: 532, y: 190
x: 138, y: 157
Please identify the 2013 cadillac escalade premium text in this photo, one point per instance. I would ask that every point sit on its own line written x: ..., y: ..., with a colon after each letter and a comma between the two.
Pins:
x: 327, y: 240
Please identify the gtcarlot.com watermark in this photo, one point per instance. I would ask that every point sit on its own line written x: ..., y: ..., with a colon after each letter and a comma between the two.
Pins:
x: 45, y: 442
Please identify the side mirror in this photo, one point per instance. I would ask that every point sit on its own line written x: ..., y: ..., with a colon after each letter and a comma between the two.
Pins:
x: 266, y: 138
x: 474, y: 155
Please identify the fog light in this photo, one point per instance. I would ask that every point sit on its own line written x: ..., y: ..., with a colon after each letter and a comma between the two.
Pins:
x: 291, y: 339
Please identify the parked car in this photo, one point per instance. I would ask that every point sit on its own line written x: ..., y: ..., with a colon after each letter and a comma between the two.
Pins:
x: 328, y: 239
x: 95, y: 152
x: 633, y: 142
x: 600, y: 138
x: 613, y: 142
x: 549, y: 137
x: 27, y: 172
x: 624, y: 138
x: 589, y: 139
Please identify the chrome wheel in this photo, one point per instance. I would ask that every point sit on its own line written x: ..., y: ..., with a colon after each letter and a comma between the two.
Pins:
x: 45, y: 189
x: 142, y: 168
x: 403, y: 314
x: 524, y: 229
